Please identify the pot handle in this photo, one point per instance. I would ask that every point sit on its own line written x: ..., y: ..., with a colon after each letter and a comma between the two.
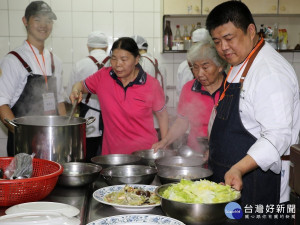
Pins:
x: 90, y: 120
x: 10, y: 122
x: 107, y: 177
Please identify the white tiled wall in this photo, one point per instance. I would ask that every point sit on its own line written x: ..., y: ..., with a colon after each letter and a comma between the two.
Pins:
x: 77, y: 18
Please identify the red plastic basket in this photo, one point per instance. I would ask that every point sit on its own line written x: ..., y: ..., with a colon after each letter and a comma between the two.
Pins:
x: 44, y: 178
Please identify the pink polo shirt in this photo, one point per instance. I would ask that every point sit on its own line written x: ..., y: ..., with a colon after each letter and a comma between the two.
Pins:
x: 127, y: 112
x: 195, y: 105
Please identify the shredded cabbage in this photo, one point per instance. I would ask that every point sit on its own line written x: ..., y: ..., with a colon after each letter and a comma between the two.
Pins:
x: 202, y: 191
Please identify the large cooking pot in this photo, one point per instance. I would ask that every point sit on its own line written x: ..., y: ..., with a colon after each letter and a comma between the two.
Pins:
x: 53, y: 138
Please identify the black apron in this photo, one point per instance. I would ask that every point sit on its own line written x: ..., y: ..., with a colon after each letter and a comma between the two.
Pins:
x: 229, y: 143
x: 30, y: 102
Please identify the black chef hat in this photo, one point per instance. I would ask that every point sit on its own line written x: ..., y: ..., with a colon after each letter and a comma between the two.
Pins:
x: 39, y: 7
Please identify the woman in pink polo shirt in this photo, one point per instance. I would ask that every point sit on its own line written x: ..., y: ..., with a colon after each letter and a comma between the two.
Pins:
x: 128, y: 97
x: 198, y: 97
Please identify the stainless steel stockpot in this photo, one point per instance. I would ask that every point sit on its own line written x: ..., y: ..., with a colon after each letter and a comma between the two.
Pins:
x: 53, y: 138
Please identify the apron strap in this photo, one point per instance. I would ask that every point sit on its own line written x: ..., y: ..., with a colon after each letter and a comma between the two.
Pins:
x: 97, y: 63
x: 157, y: 72
x: 87, y: 99
x: 52, y: 63
x: 26, y: 66
x: 250, y: 63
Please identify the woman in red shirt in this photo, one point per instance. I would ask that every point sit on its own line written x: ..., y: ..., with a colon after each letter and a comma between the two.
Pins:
x: 198, y: 97
x: 128, y: 97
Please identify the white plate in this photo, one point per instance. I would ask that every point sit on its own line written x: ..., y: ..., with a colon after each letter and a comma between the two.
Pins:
x: 64, y: 209
x: 100, y: 193
x: 136, y: 219
x: 41, y: 218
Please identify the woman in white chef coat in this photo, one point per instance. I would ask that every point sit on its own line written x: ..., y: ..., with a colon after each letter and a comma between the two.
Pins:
x: 31, y: 81
x: 258, y: 114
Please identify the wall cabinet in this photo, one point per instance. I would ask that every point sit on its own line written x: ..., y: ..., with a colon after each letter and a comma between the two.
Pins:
x: 203, y: 7
x: 208, y: 5
x: 286, y: 13
x: 273, y: 6
x: 262, y: 7
x: 289, y: 7
x: 182, y: 7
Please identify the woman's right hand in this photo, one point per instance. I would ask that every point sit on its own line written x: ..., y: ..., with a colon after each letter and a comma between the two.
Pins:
x: 76, y: 94
x: 160, y: 145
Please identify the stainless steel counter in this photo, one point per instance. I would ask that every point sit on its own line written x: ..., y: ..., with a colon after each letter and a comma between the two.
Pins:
x: 90, y: 209
x: 82, y: 198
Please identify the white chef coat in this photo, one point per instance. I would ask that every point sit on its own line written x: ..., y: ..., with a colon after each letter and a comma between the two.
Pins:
x: 270, y: 111
x: 13, y: 75
x: 81, y: 70
x: 149, y: 68
x: 184, y: 74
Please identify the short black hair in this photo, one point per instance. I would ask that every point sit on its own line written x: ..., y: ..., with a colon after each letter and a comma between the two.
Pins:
x: 126, y: 43
x: 231, y: 11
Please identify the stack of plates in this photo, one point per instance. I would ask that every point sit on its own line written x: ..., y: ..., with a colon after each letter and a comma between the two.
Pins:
x: 46, y: 213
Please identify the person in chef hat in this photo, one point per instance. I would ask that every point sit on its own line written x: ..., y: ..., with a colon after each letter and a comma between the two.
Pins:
x: 149, y: 63
x: 97, y: 46
x: 184, y: 72
x: 151, y: 66
x: 31, y: 80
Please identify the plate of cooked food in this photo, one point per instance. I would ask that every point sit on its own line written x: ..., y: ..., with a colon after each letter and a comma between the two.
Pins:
x: 129, y: 197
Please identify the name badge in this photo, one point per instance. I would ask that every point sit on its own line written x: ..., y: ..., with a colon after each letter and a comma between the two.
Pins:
x: 49, y: 102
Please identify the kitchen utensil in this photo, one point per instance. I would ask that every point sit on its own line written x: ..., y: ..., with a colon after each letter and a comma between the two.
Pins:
x: 72, y: 110
x: 148, y: 156
x: 186, y: 151
x: 137, y: 219
x: 64, y: 209
x: 172, y: 162
x: 44, y: 178
x: 115, y: 160
x: 129, y: 174
x: 41, y: 218
x: 99, y: 195
x: 51, y: 137
x: 79, y: 174
x: 190, y: 213
x: 189, y: 173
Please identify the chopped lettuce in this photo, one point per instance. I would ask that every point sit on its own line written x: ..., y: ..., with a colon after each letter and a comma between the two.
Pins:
x: 202, y: 191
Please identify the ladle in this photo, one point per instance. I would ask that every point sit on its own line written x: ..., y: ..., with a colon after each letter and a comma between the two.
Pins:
x: 72, y: 110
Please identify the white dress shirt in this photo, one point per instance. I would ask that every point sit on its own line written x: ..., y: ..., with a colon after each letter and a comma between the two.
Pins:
x: 149, y: 68
x: 81, y: 70
x: 270, y: 111
x: 13, y: 76
x: 184, y: 74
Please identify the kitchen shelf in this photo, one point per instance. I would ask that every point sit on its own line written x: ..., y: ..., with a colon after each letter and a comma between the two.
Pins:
x: 187, y: 19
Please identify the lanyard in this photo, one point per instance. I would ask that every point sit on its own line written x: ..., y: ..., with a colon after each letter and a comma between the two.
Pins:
x: 244, y: 63
x: 43, y: 71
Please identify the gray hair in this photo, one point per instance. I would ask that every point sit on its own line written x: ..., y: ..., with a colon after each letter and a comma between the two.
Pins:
x: 205, y: 50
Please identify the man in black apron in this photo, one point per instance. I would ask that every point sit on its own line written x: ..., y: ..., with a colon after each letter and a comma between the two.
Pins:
x: 31, y: 75
x: 247, y: 138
